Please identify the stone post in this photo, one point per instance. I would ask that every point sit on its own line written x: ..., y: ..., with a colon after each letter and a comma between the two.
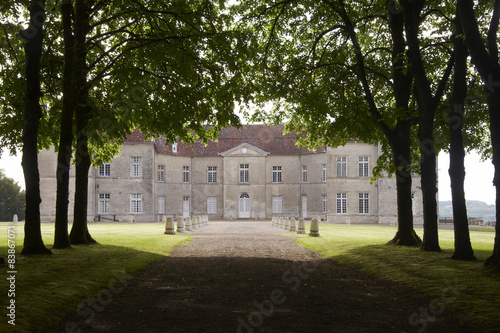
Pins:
x: 282, y: 221
x: 131, y: 219
x: 15, y: 218
x: 287, y: 224
x: 314, y: 228
x: 293, y: 226
x: 199, y: 221
x: 187, y: 223
x: 194, y: 222
x: 302, y: 226
x: 169, y: 226
x: 180, y: 225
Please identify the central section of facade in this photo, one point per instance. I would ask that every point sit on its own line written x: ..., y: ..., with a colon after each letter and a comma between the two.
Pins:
x: 254, y: 173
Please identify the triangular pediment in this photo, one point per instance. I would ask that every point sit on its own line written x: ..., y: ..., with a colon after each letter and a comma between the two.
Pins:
x: 244, y: 149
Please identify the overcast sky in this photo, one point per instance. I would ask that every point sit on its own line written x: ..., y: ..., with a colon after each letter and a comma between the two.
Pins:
x: 478, y: 180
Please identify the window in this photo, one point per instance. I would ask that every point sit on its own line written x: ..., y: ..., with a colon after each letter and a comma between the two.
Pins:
x: 276, y: 174
x: 277, y: 205
x: 364, y: 203
x: 105, y: 170
x: 325, y: 202
x: 161, y: 205
x: 323, y: 173
x: 104, y: 203
x: 304, y: 173
x: 244, y: 173
x: 341, y: 203
x: 161, y: 173
x: 174, y: 147
x: 136, y: 203
x: 341, y: 167
x: 136, y: 166
x: 185, y: 174
x: 212, y: 175
x: 363, y: 166
x: 212, y: 205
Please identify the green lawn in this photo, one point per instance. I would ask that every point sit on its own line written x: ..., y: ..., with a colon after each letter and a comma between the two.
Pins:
x: 49, y: 287
x: 466, y: 288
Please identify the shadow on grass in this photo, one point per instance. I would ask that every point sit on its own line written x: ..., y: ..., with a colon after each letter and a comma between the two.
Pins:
x: 49, y: 287
x: 432, y: 274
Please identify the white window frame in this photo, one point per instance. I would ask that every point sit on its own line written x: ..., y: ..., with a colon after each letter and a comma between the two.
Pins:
x: 244, y: 173
x: 363, y: 167
x: 277, y: 205
x: 185, y: 174
x: 136, y: 166
x: 277, y: 174
x: 104, y: 203
x: 135, y: 203
x: 304, y: 173
x: 341, y: 203
x: 161, y: 173
x: 323, y: 173
x: 364, y: 203
x: 341, y: 167
x: 212, y: 175
x: 325, y: 204
x: 161, y: 205
x: 105, y: 170
x: 212, y: 205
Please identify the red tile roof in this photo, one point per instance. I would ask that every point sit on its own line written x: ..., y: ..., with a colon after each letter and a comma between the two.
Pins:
x: 268, y: 138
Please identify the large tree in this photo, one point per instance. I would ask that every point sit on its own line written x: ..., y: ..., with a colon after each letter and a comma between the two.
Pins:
x: 483, y: 50
x: 161, y: 67
x: 463, y: 247
x: 61, y: 238
x: 12, y: 199
x: 429, y: 91
x: 327, y: 64
x: 33, y: 36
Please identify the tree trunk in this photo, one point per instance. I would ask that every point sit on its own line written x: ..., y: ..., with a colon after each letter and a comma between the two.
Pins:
x: 400, y: 137
x: 427, y: 106
x: 494, y: 110
x: 33, y: 36
x: 61, y: 239
x: 463, y: 247
x: 487, y: 65
x: 401, y: 147
x: 79, y: 232
x: 429, y: 189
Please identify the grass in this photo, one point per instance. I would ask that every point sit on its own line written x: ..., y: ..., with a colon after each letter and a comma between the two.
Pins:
x: 430, y: 274
x: 50, y: 287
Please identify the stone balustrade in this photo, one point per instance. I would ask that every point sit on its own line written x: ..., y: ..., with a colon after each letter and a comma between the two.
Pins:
x: 169, y: 226
x: 184, y: 223
x: 290, y: 224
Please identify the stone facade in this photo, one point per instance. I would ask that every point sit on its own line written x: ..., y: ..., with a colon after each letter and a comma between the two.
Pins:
x: 255, y: 173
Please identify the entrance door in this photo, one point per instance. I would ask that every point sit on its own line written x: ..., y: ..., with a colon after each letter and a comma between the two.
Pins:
x: 244, y: 211
x: 185, y: 207
x: 304, y: 206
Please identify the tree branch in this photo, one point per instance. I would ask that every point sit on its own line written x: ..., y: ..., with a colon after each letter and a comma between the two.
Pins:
x: 492, y: 32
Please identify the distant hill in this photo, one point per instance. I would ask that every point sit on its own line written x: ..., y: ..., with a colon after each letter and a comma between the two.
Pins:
x: 477, y: 209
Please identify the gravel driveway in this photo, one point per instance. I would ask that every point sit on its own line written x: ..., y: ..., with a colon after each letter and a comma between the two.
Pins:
x: 248, y: 277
